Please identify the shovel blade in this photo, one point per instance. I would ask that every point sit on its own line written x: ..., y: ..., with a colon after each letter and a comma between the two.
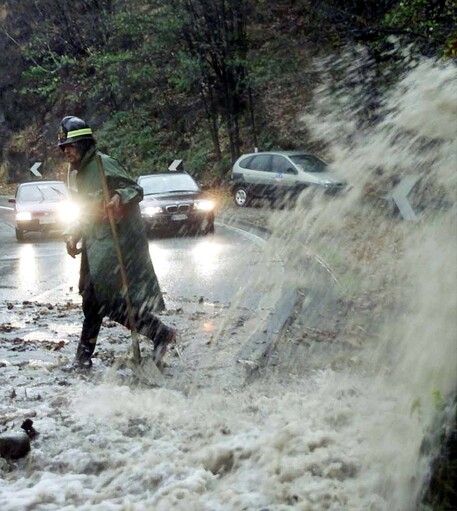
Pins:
x: 148, y: 373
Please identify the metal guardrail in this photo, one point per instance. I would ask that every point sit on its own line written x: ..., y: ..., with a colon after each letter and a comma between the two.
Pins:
x: 256, y: 353
x: 259, y: 347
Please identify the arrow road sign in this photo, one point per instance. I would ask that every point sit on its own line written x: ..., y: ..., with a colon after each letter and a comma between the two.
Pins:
x: 177, y: 165
x: 400, y: 197
x: 34, y: 169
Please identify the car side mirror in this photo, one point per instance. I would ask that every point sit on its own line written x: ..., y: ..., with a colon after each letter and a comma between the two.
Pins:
x: 12, y: 201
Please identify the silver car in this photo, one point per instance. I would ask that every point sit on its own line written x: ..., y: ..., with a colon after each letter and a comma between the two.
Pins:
x: 279, y: 175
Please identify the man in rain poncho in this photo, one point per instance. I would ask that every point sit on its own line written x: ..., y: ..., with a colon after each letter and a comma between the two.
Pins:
x: 100, y: 283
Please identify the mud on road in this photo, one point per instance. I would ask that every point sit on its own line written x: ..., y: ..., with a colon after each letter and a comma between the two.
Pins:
x: 208, y: 438
x: 39, y: 339
x: 204, y: 440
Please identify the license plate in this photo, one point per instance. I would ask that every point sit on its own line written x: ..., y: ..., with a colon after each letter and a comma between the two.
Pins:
x: 47, y: 221
x: 179, y: 216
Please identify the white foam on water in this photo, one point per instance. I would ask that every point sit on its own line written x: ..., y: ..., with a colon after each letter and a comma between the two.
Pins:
x: 344, y: 432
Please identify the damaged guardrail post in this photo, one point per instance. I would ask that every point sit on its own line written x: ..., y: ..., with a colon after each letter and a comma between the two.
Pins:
x: 260, y: 345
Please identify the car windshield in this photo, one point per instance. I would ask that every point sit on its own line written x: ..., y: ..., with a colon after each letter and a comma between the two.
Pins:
x: 162, y: 183
x: 309, y: 163
x: 42, y: 193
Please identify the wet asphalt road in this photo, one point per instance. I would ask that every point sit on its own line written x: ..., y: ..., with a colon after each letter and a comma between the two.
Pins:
x: 214, y: 267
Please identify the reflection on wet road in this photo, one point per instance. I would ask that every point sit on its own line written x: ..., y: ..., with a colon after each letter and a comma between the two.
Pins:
x: 37, y: 270
x: 213, y: 267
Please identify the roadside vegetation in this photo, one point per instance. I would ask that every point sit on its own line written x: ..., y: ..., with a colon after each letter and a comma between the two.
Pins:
x: 191, y: 79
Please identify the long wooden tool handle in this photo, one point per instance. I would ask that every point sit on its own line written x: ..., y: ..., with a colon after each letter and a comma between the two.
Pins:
x: 120, y: 259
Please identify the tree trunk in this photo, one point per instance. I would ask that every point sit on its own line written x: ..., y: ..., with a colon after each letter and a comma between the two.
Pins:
x: 211, y: 116
x: 252, y: 117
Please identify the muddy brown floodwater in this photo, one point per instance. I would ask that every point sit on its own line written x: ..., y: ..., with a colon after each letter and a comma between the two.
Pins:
x: 335, y: 418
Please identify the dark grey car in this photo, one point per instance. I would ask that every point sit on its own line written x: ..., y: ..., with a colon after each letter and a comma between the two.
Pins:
x: 174, y: 202
x: 280, y: 174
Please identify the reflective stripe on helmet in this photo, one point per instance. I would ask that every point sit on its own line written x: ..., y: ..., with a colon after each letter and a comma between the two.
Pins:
x: 78, y: 133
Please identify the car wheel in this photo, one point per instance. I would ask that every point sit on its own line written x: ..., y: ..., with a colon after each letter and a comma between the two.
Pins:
x: 19, y: 234
x: 241, y: 196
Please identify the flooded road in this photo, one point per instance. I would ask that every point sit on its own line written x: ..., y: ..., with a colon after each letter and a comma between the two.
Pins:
x: 39, y: 268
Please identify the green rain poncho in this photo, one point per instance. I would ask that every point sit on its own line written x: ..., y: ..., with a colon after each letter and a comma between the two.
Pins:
x: 99, y: 264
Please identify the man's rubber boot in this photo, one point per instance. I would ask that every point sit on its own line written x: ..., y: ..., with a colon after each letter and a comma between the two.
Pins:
x: 82, y: 361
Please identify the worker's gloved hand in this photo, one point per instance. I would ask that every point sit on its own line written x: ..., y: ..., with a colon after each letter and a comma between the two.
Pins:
x: 115, y: 206
x: 72, y: 247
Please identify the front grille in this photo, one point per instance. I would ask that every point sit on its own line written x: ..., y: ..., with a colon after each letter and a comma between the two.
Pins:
x: 175, y: 208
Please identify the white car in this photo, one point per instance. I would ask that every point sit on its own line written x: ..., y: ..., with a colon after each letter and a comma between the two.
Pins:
x: 43, y: 206
x: 279, y: 175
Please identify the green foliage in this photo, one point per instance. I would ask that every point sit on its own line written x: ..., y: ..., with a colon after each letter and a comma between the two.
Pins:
x: 198, y: 157
x: 433, y: 21
x: 112, y: 70
x: 45, y: 79
x: 39, y: 82
x: 135, y: 140
x: 185, y: 76
x: 273, y: 65
x: 450, y: 48
x: 190, y: 79
x: 408, y: 11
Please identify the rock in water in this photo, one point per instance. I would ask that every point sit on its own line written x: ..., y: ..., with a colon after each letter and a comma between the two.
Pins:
x: 17, y: 445
x: 14, y: 445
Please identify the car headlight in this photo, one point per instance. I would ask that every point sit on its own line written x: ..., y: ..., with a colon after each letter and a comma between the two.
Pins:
x: 204, y: 205
x: 24, y: 216
x: 151, y: 210
x: 68, y: 212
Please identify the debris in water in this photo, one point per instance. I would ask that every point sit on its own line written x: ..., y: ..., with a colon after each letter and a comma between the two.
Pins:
x: 58, y: 345
x: 27, y: 426
x: 6, y: 327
